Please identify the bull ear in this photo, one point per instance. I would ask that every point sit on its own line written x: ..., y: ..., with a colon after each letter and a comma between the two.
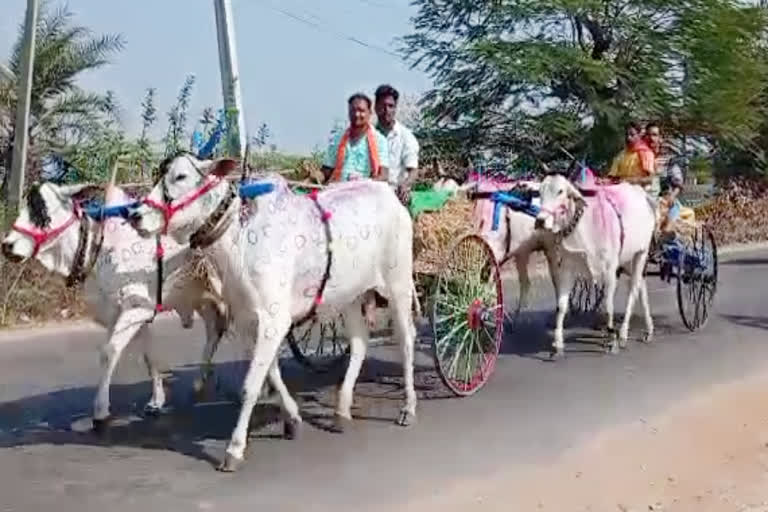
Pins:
x: 577, y: 196
x: 223, y: 166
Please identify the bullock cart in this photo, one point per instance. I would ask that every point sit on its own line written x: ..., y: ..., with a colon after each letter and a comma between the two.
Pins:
x: 467, y: 308
x: 686, y: 252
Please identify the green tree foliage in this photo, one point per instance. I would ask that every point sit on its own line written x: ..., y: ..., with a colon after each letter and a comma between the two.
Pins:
x: 524, y: 77
x: 61, y: 112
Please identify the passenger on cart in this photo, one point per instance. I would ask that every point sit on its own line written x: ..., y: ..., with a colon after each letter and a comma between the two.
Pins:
x: 402, y: 144
x: 360, y: 151
x: 670, y: 212
x: 636, y: 162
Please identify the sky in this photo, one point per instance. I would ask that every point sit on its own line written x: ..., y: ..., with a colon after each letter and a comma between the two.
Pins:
x: 295, y: 75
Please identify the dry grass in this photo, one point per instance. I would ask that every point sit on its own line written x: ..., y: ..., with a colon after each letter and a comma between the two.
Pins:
x: 433, y: 233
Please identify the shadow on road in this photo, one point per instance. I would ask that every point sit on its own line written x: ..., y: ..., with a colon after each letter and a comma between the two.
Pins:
x: 531, y: 334
x: 748, y: 321
x: 741, y: 262
x: 62, y: 417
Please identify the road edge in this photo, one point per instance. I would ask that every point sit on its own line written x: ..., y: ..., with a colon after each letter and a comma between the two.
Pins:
x: 85, y: 325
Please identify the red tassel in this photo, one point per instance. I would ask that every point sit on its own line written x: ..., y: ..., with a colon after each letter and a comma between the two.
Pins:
x: 313, y: 194
x: 159, y: 308
x: 326, y: 215
x: 318, y: 300
x: 160, y: 252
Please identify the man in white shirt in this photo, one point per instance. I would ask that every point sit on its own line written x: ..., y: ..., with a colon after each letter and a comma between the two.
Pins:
x: 403, y: 146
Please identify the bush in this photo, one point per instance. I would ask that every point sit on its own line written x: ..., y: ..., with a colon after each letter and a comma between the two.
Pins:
x: 738, y: 211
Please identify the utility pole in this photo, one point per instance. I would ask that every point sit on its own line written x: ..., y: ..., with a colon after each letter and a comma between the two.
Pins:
x: 230, y: 77
x: 6, y: 73
x: 21, y: 128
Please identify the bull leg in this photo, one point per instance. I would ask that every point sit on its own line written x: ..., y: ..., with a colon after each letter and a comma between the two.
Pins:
x: 406, y: 334
x: 638, y: 263
x: 646, y: 310
x: 157, y: 401
x: 610, y: 281
x: 270, y: 333
x: 215, y: 325
x: 563, y: 290
x: 358, y: 343
x: 292, y: 419
x: 521, y: 262
x: 127, y: 325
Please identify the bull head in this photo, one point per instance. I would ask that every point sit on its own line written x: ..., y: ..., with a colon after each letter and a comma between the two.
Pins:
x: 45, y: 227
x: 560, y: 200
x: 186, y: 194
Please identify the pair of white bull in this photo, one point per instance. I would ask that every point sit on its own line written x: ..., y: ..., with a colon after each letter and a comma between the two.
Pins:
x: 267, y: 270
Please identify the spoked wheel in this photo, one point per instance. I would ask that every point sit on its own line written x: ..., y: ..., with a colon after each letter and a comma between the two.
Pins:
x: 320, y: 346
x: 697, y: 278
x: 586, y: 296
x: 467, y: 316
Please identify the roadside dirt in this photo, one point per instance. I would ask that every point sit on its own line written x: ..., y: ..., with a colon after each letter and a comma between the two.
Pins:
x: 709, y: 454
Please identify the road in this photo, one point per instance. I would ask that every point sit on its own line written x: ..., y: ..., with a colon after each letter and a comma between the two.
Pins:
x: 529, y: 413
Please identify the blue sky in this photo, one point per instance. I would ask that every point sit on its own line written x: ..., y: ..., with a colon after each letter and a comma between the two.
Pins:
x: 296, y: 78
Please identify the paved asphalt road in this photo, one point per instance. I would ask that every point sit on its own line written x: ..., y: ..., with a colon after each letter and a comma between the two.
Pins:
x: 529, y: 413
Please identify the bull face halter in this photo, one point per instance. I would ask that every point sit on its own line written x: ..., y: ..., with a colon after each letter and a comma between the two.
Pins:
x: 41, y: 236
x: 168, y: 208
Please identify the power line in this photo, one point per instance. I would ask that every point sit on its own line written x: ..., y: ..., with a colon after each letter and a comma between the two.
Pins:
x: 331, y: 31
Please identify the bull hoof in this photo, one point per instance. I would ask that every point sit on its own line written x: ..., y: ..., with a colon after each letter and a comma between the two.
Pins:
x: 101, y: 426
x: 556, y: 353
x: 152, y: 411
x: 204, y: 390
x: 647, y: 337
x: 230, y: 464
x: 612, y: 348
x: 340, y: 424
x: 405, y: 419
x: 292, y: 429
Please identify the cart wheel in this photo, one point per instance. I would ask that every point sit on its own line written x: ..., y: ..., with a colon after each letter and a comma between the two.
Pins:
x: 320, y: 346
x: 697, y: 278
x: 467, y: 316
x: 586, y: 296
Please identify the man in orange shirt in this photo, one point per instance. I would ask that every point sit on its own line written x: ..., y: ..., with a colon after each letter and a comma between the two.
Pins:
x: 636, y: 162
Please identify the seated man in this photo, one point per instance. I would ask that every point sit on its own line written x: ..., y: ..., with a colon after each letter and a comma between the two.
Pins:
x: 674, y: 218
x: 360, y: 151
x: 636, y: 162
x: 403, y: 146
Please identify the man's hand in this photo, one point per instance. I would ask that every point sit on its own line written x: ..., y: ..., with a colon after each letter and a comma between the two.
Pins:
x: 327, y: 173
x: 403, y: 193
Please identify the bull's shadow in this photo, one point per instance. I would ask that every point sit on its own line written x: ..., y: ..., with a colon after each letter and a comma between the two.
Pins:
x: 529, y: 334
x: 62, y: 417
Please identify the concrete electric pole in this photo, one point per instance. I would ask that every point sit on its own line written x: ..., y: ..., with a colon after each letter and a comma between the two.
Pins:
x: 230, y: 75
x: 21, y: 128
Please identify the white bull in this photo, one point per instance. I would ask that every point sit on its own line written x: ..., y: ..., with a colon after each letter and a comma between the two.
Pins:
x: 120, y: 278
x: 598, y: 234
x: 515, y: 236
x: 352, y: 238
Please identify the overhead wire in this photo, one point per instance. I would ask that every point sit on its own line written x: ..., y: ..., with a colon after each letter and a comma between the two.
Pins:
x: 323, y: 28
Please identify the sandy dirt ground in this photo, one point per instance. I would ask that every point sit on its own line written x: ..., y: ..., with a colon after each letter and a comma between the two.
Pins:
x: 709, y: 454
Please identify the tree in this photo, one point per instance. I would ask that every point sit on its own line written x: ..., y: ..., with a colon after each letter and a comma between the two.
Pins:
x: 177, y: 118
x: 262, y: 137
x: 525, y: 77
x: 61, y: 113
